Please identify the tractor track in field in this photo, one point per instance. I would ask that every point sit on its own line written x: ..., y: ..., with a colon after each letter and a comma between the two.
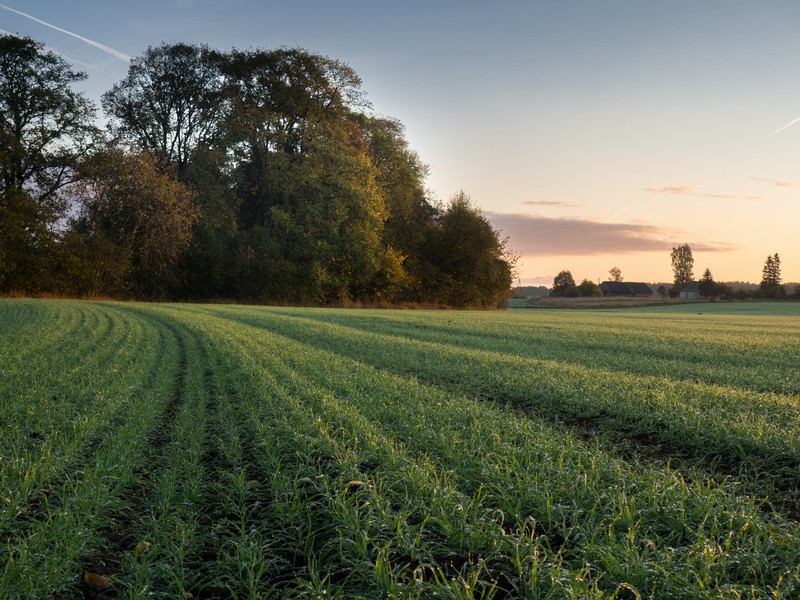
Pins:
x: 118, y: 535
x: 47, y: 499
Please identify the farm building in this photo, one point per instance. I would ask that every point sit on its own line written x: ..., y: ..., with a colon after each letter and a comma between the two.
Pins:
x: 691, y: 291
x: 624, y: 288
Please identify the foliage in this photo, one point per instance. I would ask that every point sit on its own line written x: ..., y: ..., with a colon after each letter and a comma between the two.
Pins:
x: 615, y: 274
x: 707, y: 286
x: 135, y: 220
x: 563, y: 283
x: 299, y: 194
x: 465, y: 261
x: 170, y: 102
x: 45, y: 128
x: 770, y: 286
x: 682, y: 265
x: 589, y: 288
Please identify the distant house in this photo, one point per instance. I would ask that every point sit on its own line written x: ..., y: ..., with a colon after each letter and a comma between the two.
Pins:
x: 690, y: 291
x: 625, y: 288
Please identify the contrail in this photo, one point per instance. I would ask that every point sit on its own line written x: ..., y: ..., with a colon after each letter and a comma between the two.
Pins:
x: 115, y: 53
x: 619, y: 212
x: 789, y: 124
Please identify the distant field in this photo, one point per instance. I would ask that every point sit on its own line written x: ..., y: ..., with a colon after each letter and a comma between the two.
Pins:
x: 774, y: 309
x: 198, y: 451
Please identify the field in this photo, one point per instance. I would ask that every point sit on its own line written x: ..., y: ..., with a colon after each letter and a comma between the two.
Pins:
x: 199, y: 451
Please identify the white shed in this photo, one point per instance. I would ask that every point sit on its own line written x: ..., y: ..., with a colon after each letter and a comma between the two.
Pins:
x: 690, y: 291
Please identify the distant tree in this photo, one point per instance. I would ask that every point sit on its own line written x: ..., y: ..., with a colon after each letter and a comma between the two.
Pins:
x: 615, y: 274
x: 707, y: 286
x: 662, y: 291
x: 562, y: 283
x: 589, y: 288
x: 770, y: 286
x: 682, y: 265
x: 45, y: 129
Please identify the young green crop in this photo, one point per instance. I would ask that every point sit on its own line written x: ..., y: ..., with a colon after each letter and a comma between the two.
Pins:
x: 212, y: 451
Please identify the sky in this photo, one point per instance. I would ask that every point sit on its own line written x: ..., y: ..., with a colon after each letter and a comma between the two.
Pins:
x: 591, y: 134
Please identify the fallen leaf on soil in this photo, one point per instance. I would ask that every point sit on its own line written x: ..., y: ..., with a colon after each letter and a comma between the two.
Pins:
x: 97, y: 582
x: 140, y: 547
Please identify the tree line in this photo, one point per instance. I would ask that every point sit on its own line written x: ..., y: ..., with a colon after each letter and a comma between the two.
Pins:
x: 257, y: 175
x: 682, y: 259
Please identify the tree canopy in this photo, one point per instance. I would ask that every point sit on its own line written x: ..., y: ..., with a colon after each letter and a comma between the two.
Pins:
x: 682, y: 265
x: 259, y: 175
x: 770, y: 286
x: 46, y: 128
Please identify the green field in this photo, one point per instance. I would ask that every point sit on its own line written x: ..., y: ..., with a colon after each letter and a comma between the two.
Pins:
x: 201, y: 451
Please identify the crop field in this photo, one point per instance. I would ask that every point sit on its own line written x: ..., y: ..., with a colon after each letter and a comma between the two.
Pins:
x: 208, y: 451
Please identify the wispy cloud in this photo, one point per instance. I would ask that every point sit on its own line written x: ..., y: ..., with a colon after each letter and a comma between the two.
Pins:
x: 542, y: 236
x: 684, y: 190
x: 789, y: 124
x: 551, y: 203
x: 107, y: 49
x: 688, y: 190
x: 732, y: 197
x: 778, y: 183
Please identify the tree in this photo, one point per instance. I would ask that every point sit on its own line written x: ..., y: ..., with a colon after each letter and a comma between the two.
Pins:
x: 170, y: 102
x: 682, y: 265
x: 311, y: 213
x: 401, y: 182
x: 707, y: 286
x: 466, y: 263
x: 589, y: 288
x: 45, y: 128
x: 615, y: 274
x: 135, y: 220
x: 562, y: 283
x: 770, y: 286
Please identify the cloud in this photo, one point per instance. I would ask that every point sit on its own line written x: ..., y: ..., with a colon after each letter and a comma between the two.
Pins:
x: 778, y: 183
x: 686, y: 190
x: 783, y: 184
x: 732, y: 197
x: 551, y: 203
x: 542, y: 236
x: 107, y: 49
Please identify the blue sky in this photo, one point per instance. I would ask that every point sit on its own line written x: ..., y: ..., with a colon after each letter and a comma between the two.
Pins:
x: 593, y: 134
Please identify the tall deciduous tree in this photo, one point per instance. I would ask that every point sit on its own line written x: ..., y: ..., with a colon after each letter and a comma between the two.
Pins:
x: 170, y: 102
x: 45, y: 128
x: 615, y: 274
x: 401, y: 182
x: 682, y: 265
x: 311, y: 212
